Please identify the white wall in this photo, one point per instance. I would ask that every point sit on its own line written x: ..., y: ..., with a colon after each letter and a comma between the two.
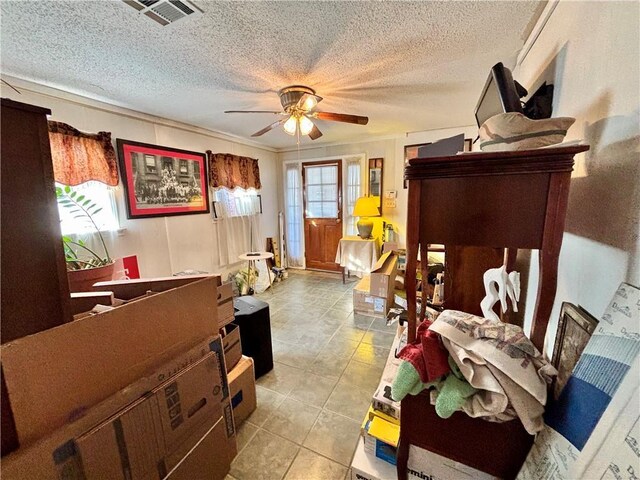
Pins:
x: 590, y: 51
x: 392, y: 150
x: 164, y: 245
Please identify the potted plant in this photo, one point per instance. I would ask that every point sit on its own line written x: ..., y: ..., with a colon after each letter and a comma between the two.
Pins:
x: 84, y: 266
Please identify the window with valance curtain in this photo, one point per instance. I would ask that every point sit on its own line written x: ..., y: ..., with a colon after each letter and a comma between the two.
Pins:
x: 236, y: 180
x: 80, y: 157
x: 232, y: 171
x: 87, y: 162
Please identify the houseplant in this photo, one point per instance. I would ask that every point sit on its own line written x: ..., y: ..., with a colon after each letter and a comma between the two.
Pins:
x: 84, y: 265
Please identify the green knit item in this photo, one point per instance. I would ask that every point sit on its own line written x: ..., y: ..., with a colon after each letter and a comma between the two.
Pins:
x: 453, y: 392
x: 407, y: 382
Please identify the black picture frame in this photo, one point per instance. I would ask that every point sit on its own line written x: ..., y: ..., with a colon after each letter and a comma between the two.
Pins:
x: 158, y: 180
x: 575, y: 327
x: 411, y: 151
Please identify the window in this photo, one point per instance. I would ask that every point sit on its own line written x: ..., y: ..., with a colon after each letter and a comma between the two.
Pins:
x: 353, y: 192
x: 150, y: 162
x: 184, y: 167
x: 106, y: 219
x: 237, y: 203
x: 293, y: 205
x: 322, y: 191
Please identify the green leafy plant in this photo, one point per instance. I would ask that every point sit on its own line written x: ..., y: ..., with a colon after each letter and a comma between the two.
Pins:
x: 77, y: 254
x: 245, y: 278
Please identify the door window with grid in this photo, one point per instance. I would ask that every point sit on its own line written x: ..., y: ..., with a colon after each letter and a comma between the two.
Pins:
x: 321, y: 190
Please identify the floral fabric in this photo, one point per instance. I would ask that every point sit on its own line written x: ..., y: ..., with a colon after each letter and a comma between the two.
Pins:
x: 231, y: 171
x: 80, y: 157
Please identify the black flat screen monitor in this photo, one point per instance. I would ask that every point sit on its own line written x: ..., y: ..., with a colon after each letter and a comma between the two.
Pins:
x: 500, y: 94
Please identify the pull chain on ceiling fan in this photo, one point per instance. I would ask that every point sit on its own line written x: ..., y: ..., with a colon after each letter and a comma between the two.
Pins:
x: 299, y: 104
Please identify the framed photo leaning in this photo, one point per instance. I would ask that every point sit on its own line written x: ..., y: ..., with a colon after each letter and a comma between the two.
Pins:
x: 575, y: 327
x: 162, y: 181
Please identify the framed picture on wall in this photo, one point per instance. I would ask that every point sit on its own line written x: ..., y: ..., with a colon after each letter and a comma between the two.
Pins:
x: 162, y: 181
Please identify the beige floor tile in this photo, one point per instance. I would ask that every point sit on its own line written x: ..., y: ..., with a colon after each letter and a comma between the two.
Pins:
x: 349, y: 400
x: 266, y: 457
x: 330, y: 366
x: 282, y: 379
x: 363, y: 375
x: 379, y: 339
x: 267, y: 402
x: 293, y: 354
x: 292, y: 420
x: 313, y: 389
x: 372, y: 355
x: 245, y: 432
x: 334, y: 436
x: 309, y: 465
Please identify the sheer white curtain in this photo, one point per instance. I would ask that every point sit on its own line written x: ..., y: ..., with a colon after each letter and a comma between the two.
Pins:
x: 353, y: 192
x: 237, y: 228
x: 293, y: 215
x: 237, y: 235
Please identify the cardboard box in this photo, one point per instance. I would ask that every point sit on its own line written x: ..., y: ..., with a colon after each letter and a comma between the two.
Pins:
x: 382, y: 400
x: 242, y: 385
x: 232, y: 345
x: 55, y: 376
x: 206, y: 460
x: 423, y: 464
x: 368, y: 467
x: 366, y: 304
x: 380, y: 436
x: 58, y: 454
x: 383, y: 276
x: 226, y: 312
x: 146, y: 438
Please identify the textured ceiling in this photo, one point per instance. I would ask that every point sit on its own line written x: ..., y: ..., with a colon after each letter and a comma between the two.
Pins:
x: 409, y: 66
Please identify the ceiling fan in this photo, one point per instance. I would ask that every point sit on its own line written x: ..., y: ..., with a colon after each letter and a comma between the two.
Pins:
x: 299, y: 104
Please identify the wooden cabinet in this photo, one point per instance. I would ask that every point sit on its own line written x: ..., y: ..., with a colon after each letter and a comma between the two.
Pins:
x: 34, y: 289
x: 34, y: 278
x: 497, y: 200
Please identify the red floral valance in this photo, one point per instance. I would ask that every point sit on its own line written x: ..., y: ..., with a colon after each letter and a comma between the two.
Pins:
x: 80, y: 157
x: 231, y: 171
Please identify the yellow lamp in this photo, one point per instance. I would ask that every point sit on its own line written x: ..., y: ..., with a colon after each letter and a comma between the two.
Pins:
x: 365, y: 207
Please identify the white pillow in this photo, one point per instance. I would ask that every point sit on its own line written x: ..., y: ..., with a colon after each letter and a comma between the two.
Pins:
x: 514, y: 131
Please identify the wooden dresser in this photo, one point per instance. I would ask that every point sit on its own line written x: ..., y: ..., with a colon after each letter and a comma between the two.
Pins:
x: 35, y: 290
x: 493, y: 200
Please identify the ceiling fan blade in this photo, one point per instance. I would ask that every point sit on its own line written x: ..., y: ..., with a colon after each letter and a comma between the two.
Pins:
x: 270, y: 127
x: 254, y: 111
x: 315, y: 133
x: 341, y: 117
x: 303, y: 99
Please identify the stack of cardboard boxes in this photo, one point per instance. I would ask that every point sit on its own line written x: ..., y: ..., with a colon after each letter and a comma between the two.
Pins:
x: 375, y: 455
x: 373, y: 295
x: 139, y: 390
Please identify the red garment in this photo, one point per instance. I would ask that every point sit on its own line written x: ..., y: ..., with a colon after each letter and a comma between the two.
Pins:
x: 427, y: 354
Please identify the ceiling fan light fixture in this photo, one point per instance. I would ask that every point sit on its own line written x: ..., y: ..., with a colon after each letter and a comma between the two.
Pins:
x: 306, y: 125
x: 310, y: 103
x: 290, y: 125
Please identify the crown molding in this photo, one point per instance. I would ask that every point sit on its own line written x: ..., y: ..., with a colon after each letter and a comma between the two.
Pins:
x: 104, y: 105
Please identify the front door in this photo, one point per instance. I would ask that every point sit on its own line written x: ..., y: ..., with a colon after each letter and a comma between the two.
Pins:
x: 322, y: 183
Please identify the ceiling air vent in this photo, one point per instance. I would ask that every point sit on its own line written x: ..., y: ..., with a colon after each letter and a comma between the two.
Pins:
x: 165, y: 12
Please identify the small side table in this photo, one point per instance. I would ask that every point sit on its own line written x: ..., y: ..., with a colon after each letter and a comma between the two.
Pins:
x: 251, y: 258
x: 356, y: 254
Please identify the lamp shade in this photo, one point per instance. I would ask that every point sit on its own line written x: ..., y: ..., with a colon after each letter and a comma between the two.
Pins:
x: 366, y: 207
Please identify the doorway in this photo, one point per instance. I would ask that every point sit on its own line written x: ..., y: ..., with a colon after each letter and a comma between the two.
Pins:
x: 322, y: 202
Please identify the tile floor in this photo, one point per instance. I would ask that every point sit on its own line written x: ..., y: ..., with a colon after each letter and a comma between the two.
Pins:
x: 327, y: 363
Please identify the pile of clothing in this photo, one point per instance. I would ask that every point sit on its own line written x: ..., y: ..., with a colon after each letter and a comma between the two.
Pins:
x: 485, y: 368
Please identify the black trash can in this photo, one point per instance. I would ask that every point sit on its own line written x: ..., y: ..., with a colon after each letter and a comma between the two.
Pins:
x: 252, y: 316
